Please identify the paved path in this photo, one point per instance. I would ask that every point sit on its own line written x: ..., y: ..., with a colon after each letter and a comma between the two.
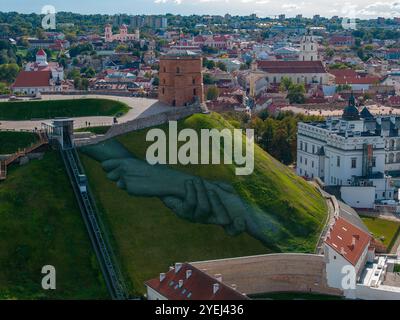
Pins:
x: 140, y: 107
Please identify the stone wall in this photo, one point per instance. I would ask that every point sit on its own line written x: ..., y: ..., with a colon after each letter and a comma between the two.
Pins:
x: 140, y: 123
x: 272, y: 273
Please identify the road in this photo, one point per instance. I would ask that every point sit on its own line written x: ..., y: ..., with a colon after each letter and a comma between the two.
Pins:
x: 140, y: 107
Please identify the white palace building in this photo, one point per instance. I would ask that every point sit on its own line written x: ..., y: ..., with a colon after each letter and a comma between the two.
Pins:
x: 358, y: 153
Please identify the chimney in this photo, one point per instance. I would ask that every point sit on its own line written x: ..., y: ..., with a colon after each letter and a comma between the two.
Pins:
x: 342, y: 252
x: 162, y: 276
x: 178, y: 267
x: 353, y: 241
x: 218, y: 277
x: 188, y: 273
x: 215, y: 288
x: 180, y: 283
x: 234, y: 286
x: 171, y: 268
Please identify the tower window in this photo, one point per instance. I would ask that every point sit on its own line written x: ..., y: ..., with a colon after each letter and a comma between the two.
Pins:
x: 178, y: 70
x: 194, y: 92
x: 194, y: 81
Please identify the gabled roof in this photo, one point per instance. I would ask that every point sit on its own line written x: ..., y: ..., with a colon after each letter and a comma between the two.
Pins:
x: 291, y: 66
x: 177, y: 285
x: 28, y: 79
x: 41, y: 52
x: 348, y: 240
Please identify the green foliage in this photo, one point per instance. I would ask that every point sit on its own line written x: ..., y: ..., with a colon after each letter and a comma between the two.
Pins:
x: 49, y: 109
x: 221, y: 66
x: 296, y: 93
x: 343, y: 87
x: 208, y: 79
x: 383, y: 230
x: 212, y: 93
x: 10, y: 142
x: 276, y: 134
x: 40, y: 224
x: 9, y: 72
x: 147, y: 248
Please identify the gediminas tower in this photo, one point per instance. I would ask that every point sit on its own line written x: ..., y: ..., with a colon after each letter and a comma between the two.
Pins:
x: 181, y: 78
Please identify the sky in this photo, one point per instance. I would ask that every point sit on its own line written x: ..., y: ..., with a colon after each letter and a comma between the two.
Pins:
x: 263, y: 8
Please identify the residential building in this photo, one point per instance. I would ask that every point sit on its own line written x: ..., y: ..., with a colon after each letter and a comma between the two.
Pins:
x: 186, y: 282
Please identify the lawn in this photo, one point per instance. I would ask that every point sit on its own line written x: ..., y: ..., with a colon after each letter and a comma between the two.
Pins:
x: 40, y: 224
x: 148, y: 237
x: 95, y: 130
x: 383, y: 230
x: 10, y: 142
x: 26, y: 110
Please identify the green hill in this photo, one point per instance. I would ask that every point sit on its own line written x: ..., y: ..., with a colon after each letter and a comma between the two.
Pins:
x: 49, y: 109
x: 40, y: 224
x: 11, y: 141
x: 148, y: 237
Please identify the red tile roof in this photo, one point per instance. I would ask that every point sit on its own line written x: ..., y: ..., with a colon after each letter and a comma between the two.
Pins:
x: 41, y: 52
x: 32, y: 79
x: 198, y: 286
x: 348, y: 240
x: 292, y: 66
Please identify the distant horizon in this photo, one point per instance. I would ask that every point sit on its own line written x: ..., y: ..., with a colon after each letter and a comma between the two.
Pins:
x: 367, y: 9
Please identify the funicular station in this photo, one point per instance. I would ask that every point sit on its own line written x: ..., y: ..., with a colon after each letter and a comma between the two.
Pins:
x: 60, y: 133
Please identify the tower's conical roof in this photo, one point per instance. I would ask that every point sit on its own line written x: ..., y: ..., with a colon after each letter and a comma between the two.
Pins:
x: 351, y: 111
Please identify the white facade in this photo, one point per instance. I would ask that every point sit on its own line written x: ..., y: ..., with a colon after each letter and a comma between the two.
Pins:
x: 308, y: 49
x: 346, y: 153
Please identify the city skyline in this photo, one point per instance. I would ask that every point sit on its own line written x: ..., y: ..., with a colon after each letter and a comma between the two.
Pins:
x: 264, y: 8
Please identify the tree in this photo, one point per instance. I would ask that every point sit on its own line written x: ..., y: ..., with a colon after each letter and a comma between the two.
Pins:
x: 221, y: 66
x: 208, y: 79
x: 286, y: 83
x: 296, y: 93
x: 212, y: 93
x: 9, y: 72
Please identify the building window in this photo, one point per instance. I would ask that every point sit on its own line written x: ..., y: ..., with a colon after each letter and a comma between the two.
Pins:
x: 312, y: 164
x: 353, y: 163
x: 194, y: 92
x: 165, y: 69
x: 305, y: 147
x: 301, y: 159
x: 313, y: 149
x: 338, y: 161
x: 374, y: 162
x: 301, y: 145
x: 305, y: 161
x: 163, y: 90
x: 178, y: 70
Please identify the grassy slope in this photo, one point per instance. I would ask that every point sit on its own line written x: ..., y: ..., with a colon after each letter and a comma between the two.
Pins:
x: 148, y: 237
x: 40, y: 224
x: 26, y: 110
x: 382, y: 228
x: 10, y: 142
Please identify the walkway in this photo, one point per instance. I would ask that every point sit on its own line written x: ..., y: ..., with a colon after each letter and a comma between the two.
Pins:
x: 21, y: 153
x: 140, y: 108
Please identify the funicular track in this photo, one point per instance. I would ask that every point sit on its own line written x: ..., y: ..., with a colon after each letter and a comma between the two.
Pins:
x: 92, y: 221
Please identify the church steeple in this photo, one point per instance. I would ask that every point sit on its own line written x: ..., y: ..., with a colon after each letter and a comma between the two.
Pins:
x: 351, y: 111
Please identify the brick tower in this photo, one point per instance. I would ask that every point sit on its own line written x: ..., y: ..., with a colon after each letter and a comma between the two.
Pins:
x: 181, y: 78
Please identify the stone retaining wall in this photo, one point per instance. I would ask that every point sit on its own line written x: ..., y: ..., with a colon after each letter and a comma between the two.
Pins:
x: 141, y: 123
x: 272, y: 273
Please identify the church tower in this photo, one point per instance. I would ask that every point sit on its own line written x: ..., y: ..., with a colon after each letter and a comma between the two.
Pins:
x: 108, y: 33
x: 308, y: 48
